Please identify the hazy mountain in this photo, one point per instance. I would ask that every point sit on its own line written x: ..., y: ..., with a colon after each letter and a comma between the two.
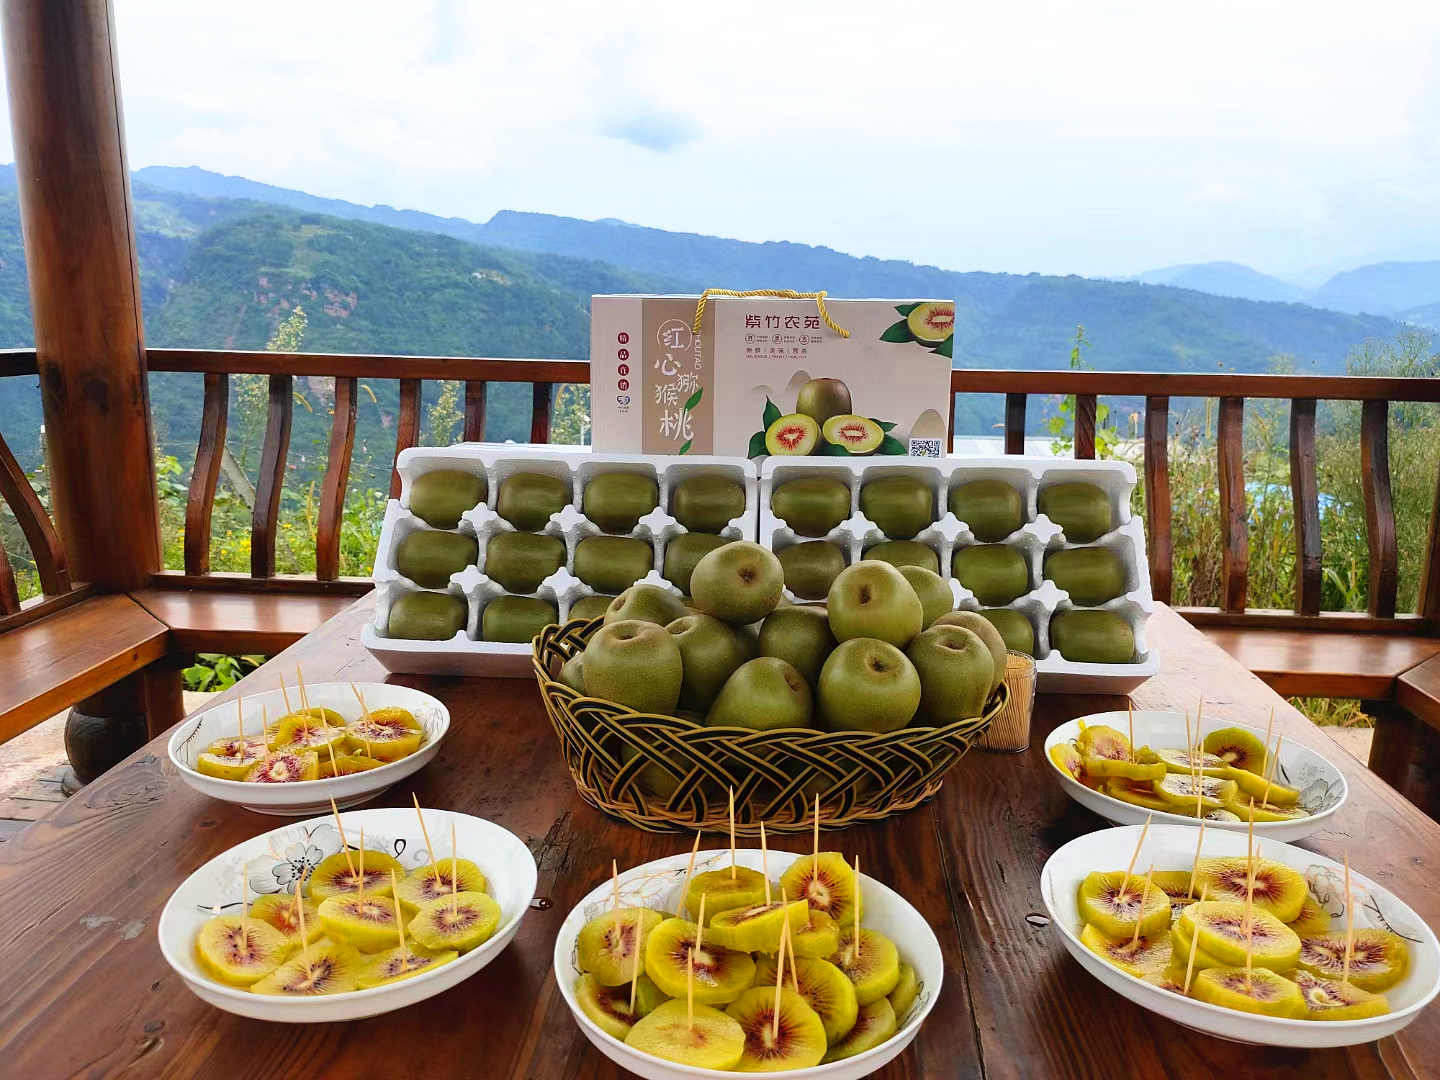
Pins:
x: 1224, y: 279
x: 1382, y: 288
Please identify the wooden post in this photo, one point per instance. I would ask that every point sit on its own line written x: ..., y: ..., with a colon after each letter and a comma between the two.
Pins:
x: 74, y: 189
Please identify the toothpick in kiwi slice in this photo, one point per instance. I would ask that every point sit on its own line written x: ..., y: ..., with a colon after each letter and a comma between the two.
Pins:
x: 689, y: 869
x: 344, y: 844
x: 1195, y: 940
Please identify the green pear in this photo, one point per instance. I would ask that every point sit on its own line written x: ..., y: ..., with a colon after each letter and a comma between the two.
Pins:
x: 956, y: 673
x: 738, y: 583
x: 648, y: 603
x: 711, y: 651
x: 683, y: 552
x: 873, y: 599
x: 867, y: 685
x: 763, y: 694
x: 985, y: 630
x: 800, y: 636
x: 933, y: 590
x: 636, y: 664
x: 572, y: 673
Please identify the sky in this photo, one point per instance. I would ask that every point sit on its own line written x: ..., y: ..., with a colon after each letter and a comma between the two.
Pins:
x: 1097, y: 138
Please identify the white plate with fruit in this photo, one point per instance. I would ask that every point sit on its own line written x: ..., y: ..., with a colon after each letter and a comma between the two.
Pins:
x: 289, y: 752
x: 1295, y: 791
x: 350, y: 960
x: 1138, y: 936
x: 841, y: 1015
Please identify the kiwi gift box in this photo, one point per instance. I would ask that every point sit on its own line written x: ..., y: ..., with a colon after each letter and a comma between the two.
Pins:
x: 553, y: 570
x: 939, y: 536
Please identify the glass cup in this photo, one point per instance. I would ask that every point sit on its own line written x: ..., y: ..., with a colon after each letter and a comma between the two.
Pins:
x: 1009, y: 732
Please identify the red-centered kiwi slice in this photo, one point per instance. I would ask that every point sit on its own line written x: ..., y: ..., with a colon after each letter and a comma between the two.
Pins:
x: 1137, y: 792
x: 330, y: 969
x: 720, y: 974
x: 874, y: 967
x: 239, y: 951
x: 1178, y: 760
x: 345, y: 764
x: 1101, y: 740
x: 231, y: 766
x: 1170, y: 979
x: 1175, y: 884
x: 255, y: 745
x: 367, y: 922
x: 1254, y: 786
x: 1180, y: 953
x: 1313, y: 919
x: 827, y: 882
x: 722, y: 891
x: 709, y: 1040
x: 1183, y: 792
x: 1378, y: 960
x: 1136, y: 956
x: 432, y: 881
x: 1221, y: 930
x: 330, y: 716
x: 279, y: 910
x: 1257, y: 991
x: 1279, y: 889
x: 284, y: 767
x: 606, y: 946
x: 387, y: 735
x: 1237, y: 747
x: 302, y: 732
x: 825, y: 988
x: 1114, y: 904
x: 757, y: 928
x: 393, y: 965
x: 1331, y: 999
x: 462, y: 922
x: 874, y: 1024
x: 905, y: 992
x: 819, y: 937
x: 343, y: 873
x: 609, y: 1006
x: 793, y: 1038
x: 1242, y: 809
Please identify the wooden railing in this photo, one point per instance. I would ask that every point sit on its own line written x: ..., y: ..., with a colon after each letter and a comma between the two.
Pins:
x: 1231, y: 391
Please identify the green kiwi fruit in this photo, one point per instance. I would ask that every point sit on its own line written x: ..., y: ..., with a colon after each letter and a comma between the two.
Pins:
x: 590, y: 607
x: 792, y: 1039
x: 1094, y: 637
x: 1091, y: 575
x: 872, y: 963
x: 819, y: 937
x: 901, y: 553
x: 758, y: 928
x: 613, y: 563
x: 607, y: 945
x: 811, y: 505
x: 874, y: 1023
x: 526, y: 500
x: 683, y: 552
x: 706, y: 504
x: 428, y: 557
x: 426, y: 616
x: 516, y: 618
x: 720, y: 975
x: 723, y: 891
x: 991, y: 508
x: 995, y: 573
x: 825, y: 988
x: 520, y: 561
x: 616, y: 501
x: 440, y: 496
x: 810, y: 567
x: 905, y: 992
x: 827, y: 882
x: 900, y: 506
x: 1082, y: 510
x: 1015, y: 628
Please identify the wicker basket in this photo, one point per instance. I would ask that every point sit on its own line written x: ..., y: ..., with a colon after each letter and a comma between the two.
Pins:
x: 663, y: 773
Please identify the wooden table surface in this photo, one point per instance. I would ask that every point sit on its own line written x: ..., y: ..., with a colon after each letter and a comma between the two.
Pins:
x: 87, y: 993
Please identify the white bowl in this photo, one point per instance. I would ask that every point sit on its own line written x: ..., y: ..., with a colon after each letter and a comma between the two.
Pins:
x: 657, y: 885
x: 271, y: 860
x: 1172, y: 847
x: 1322, y: 786
x: 306, y: 797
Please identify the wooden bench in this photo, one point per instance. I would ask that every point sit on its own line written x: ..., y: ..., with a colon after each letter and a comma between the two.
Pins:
x: 1308, y: 663
x: 237, y: 622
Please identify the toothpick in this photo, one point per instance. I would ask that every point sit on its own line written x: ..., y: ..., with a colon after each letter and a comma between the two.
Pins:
x: 1349, y: 925
x: 689, y: 869
x: 304, y: 937
x: 856, y: 899
x: 399, y: 922
x: 244, y: 912
x: 1130, y: 719
x: 304, y: 697
x: 816, y: 868
x: 364, y: 710
x: 765, y: 863
x: 454, y: 872
x: 240, y: 716
x: 732, y: 834
x: 285, y: 693
x: 1125, y: 881
x: 1249, y: 897
x: 635, y: 964
x: 334, y: 769
x: 1269, y: 724
x: 1194, y: 940
x: 344, y: 844
x: 1195, y: 866
x: 1270, y: 772
x: 614, y: 887
x: 700, y: 924
x: 362, y: 876
x: 434, y: 871
x: 780, y: 978
x: 265, y: 724
x: 1189, y: 745
x: 1149, y: 874
x: 789, y: 942
x: 690, y: 989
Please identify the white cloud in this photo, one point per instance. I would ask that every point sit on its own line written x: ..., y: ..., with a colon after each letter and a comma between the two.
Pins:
x: 1097, y: 138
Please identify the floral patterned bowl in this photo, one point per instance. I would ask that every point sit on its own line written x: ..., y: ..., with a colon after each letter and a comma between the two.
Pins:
x: 1322, y: 786
x: 272, y: 862
x: 306, y: 797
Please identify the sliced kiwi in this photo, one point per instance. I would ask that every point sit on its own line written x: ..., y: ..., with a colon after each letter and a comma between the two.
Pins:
x: 1137, y: 792
x: 758, y: 928
x: 1332, y: 999
x: 607, y: 944
x: 432, y: 881
x: 341, y: 874
x: 1184, y: 792
x: 1279, y: 889
x: 906, y: 991
x: 234, y: 765
x: 330, y: 969
x: 1138, y: 956
x: 1177, y: 760
x: 1128, y: 770
x: 461, y: 922
x: 239, y: 951
x: 280, y: 911
x: 707, y: 1040
x: 820, y: 936
x: 872, y: 963
x: 1237, y: 747
x: 1181, y: 948
x: 1220, y: 815
x: 1101, y: 740
x: 724, y: 890
x: 1256, y: 991
x: 874, y: 1024
x: 1378, y: 958
x: 301, y: 732
x: 345, y: 764
x: 792, y: 1038
x: 1253, y: 785
x: 720, y: 975
x: 826, y: 882
x: 1221, y: 929
x: 386, y: 734
x: 1244, y: 808
x: 1176, y: 885
x: 394, y: 965
x: 609, y: 1006
x: 825, y: 988
x: 367, y: 922
x: 284, y: 767
x: 1312, y: 921
x: 1115, y: 903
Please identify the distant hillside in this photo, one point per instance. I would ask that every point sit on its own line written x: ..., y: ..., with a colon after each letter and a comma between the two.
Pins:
x: 1387, y: 288
x: 1224, y: 279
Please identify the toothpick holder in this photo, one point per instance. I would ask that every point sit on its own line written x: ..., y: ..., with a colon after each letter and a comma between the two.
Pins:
x: 1009, y: 732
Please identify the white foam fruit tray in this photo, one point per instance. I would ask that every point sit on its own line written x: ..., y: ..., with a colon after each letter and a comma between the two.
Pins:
x: 1036, y: 539
x: 466, y: 653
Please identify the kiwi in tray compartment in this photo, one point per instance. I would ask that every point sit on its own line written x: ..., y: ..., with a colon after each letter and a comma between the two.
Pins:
x: 521, y: 561
x: 428, y: 558
x: 1082, y: 510
x: 526, y: 500
x: 617, y: 501
x: 516, y: 618
x: 991, y: 508
x: 811, y: 505
x: 1091, y: 575
x: 426, y: 616
x: 706, y: 504
x: 995, y: 573
x: 811, y: 567
x: 612, y: 563
x: 683, y: 552
x: 440, y: 496
x: 1092, y: 637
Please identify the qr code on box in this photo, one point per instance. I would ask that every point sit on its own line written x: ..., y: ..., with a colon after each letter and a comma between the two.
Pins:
x: 932, y: 448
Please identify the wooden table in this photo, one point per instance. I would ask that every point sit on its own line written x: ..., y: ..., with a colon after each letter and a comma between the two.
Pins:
x: 86, y: 991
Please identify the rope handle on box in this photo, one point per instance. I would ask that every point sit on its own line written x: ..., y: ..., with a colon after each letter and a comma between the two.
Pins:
x: 780, y: 294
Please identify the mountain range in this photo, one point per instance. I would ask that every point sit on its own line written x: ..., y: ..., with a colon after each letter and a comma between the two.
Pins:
x: 224, y: 260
